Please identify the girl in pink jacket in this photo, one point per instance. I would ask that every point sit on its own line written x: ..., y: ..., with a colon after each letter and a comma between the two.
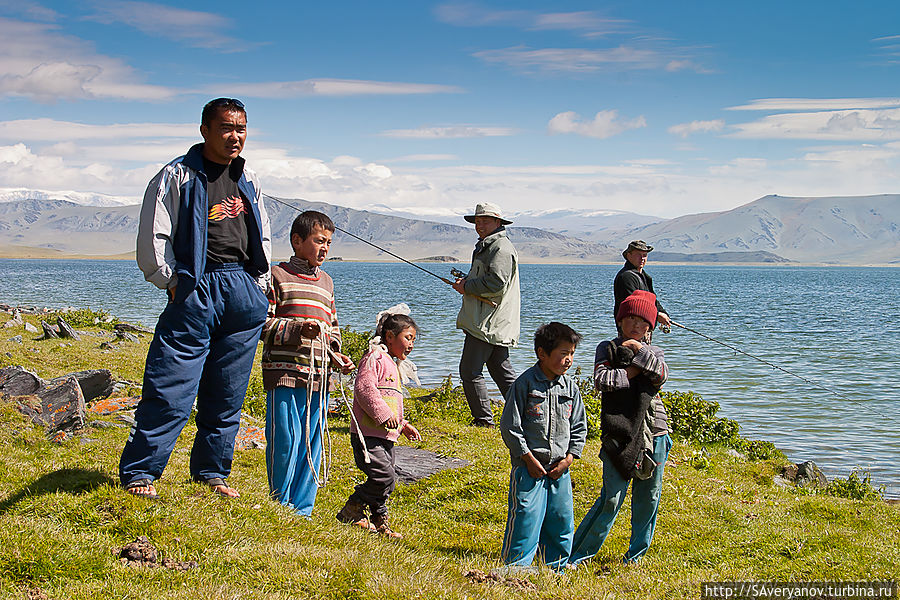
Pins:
x: 378, y: 420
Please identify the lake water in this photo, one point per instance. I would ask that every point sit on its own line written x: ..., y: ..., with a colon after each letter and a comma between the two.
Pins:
x: 835, y: 326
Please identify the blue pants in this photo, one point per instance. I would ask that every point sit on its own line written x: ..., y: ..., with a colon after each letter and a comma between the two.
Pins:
x: 292, y: 479
x: 645, y: 494
x: 204, y: 348
x: 540, y: 518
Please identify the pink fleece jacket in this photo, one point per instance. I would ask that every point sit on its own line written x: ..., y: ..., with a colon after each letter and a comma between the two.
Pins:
x: 377, y: 396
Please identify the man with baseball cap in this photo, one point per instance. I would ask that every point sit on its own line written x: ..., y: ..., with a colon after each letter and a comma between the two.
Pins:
x: 490, y: 329
x: 633, y: 277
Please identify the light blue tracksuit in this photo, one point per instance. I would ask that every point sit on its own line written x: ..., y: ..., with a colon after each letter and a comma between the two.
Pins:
x: 545, y: 417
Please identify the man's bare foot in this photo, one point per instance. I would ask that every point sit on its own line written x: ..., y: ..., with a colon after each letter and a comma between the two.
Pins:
x: 218, y: 485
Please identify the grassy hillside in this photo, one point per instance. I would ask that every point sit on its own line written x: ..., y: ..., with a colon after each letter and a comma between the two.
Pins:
x: 63, y: 519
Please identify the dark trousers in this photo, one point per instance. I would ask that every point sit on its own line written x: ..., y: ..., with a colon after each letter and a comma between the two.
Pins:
x: 204, y: 348
x: 475, y: 355
x: 381, y: 478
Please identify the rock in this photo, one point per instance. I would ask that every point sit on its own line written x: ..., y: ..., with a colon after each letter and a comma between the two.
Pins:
x: 130, y: 328
x: 128, y: 337
x: 63, y: 405
x: 49, y: 331
x: 31, y: 328
x: 736, y: 454
x: 95, y: 383
x: 16, y: 321
x: 789, y: 472
x: 250, y: 436
x: 781, y: 481
x: 108, y: 406
x: 413, y: 464
x: 65, y: 330
x: 17, y: 381
x: 108, y: 346
x: 16, y: 339
x: 808, y: 473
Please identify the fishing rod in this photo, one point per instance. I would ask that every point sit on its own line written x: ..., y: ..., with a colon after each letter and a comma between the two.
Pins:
x: 344, y: 231
x: 771, y: 364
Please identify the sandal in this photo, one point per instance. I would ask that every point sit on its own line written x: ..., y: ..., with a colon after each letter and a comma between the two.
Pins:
x: 142, y: 488
x: 219, y: 487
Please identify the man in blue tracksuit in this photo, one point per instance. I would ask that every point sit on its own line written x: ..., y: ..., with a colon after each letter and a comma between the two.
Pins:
x: 203, y: 237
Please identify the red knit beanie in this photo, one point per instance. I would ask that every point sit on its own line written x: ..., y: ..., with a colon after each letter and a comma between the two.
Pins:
x: 640, y: 303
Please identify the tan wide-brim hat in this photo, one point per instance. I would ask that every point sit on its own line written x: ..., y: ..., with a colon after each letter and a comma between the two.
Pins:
x: 486, y: 209
x: 640, y: 245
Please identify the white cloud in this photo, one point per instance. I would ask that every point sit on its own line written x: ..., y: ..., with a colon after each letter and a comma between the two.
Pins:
x: 43, y: 130
x: 421, y: 158
x: 686, y: 129
x: 606, y: 124
x: 588, y: 60
x: 453, y: 131
x: 847, y: 125
x: 333, y: 87
x: 808, y: 104
x: 585, y: 23
x: 29, y: 9
x: 193, y: 28
x: 38, y: 62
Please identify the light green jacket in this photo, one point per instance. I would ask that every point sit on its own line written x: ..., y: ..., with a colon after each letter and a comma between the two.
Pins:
x: 494, y: 275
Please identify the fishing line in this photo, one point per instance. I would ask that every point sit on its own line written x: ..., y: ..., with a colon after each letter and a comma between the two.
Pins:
x: 771, y: 364
x: 386, y: 251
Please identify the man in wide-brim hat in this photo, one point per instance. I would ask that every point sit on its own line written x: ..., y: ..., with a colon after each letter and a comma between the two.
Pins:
x: 633, y: 277
x: 490, y: 330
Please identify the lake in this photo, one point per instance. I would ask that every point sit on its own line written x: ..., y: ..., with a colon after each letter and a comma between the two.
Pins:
x: 821, y: 323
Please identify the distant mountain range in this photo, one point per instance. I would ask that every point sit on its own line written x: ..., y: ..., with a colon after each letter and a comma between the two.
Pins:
x: 773, y: 229
x: 82, y: 198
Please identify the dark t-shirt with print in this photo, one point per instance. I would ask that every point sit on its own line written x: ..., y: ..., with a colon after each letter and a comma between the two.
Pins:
x: 226, y: 233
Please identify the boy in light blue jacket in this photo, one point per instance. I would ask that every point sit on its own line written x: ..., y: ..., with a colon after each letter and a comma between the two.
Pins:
x: 544, y: 426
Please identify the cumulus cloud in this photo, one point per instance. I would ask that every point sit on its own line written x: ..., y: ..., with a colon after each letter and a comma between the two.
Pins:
x: 606, y: 123
x: 453, y: 131
x: 847, y: 125
x: 333, y: 87
x: 39, y: 62
x: 194, y: 28
x: 686, y: 129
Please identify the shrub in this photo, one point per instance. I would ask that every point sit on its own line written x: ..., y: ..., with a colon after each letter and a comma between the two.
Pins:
x: 86, y: 317
x: 591, y: 398
x: 354, y: 344
x: 694, y: 419
x: 854, y: 487
x: 444, y: 402
x: 758, y: 449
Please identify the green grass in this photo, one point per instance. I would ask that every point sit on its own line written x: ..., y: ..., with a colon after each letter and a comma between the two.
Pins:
x: 63, y: 518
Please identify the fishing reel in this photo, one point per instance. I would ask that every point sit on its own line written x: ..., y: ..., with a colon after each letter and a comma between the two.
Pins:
x: 457, y: 273
x: 664, y: 328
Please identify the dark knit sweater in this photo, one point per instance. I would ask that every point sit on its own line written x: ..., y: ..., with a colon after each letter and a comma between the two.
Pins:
x: 628, y: 279
x: 299, y: 293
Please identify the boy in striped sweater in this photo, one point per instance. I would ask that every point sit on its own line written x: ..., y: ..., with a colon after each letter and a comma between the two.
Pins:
x: 301, y: 339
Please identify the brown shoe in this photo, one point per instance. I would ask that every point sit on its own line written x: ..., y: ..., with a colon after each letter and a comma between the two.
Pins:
x: 380, y: 523
x: 354, y: 513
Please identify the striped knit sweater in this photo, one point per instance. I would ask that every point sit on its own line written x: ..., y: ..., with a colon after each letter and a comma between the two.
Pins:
x: 299, y: 293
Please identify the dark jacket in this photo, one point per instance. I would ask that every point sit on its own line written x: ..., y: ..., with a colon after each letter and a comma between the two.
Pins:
x: 171, y: 241
x: 628, y: 279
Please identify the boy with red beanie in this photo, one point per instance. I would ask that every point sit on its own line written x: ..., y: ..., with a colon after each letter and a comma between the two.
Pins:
x: 635, y: 439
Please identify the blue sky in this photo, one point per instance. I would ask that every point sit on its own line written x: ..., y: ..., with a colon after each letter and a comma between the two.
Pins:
x: 658, y: 107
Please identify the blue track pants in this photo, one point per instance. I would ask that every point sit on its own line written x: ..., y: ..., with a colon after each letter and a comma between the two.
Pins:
x: 204, y: 348
x: 540, y: 519
x: 291, y: 464
x: 645, y: 494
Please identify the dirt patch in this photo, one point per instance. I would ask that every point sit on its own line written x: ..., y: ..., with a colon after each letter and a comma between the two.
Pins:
x: 141, y: 553
x: 476, y: 576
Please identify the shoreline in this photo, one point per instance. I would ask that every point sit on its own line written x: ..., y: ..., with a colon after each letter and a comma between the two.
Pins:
x: 48, y: 254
